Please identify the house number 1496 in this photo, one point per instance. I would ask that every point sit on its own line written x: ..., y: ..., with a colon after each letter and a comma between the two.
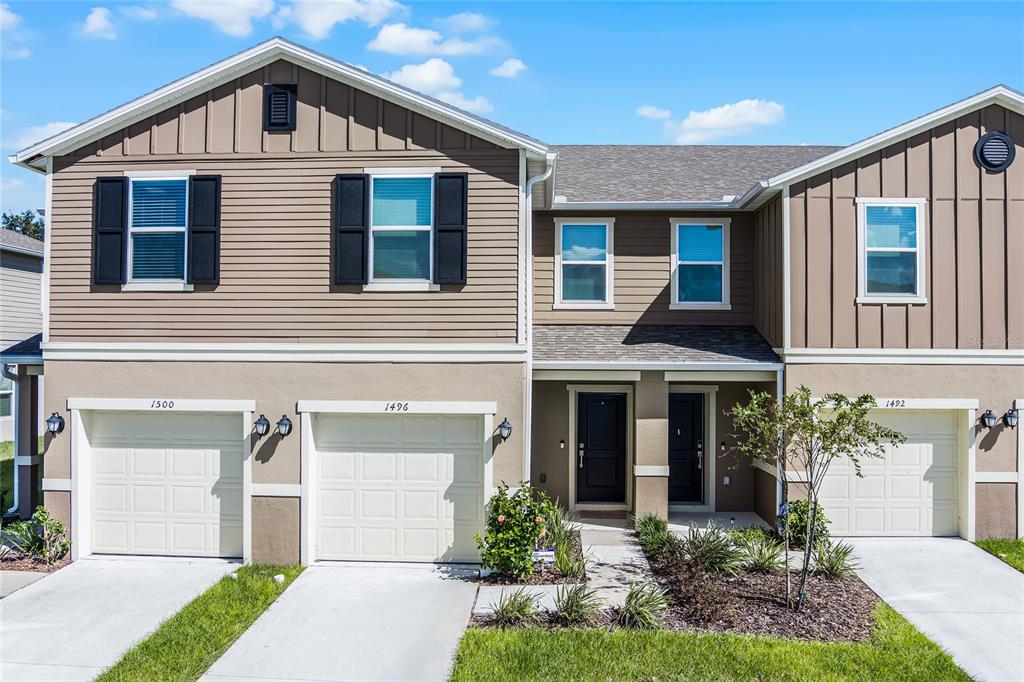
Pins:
x: 396, y: 407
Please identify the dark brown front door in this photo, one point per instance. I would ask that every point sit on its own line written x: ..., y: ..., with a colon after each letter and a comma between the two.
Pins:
x: 601, y: 447
x: 685, y: 448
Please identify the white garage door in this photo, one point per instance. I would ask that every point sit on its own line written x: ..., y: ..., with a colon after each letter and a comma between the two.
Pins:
x: 912, y: 490
x: 399, y: 487
x: 166, y: 484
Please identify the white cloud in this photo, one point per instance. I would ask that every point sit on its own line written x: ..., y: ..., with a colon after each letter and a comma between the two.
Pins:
x: 234, y: 18
x: 725, y: 121
x: 98, y: 25
x: 510, y: 68
x: 16, y: 52
x: 432, y: 76
x: 11, y: 184
x: 479, y: 105
x: 408, y: 40
x: 8, y: 19
x: 467, y: 22
x: 317, y: 18
x: 436, y: 77
x: 33, y: 134
x: 652, y: 112
x: 140, y: 13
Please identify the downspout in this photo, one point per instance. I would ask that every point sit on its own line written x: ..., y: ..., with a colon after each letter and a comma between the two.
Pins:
x: 780, y: 465
x: 549, y: 168
x: 13, y: 376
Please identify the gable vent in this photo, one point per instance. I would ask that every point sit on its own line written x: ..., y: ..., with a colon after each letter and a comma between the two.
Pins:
x: 278, y: 107
x: 994, y: 152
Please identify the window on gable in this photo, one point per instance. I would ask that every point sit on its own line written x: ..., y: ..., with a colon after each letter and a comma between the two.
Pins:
x: 401, y: 222
x: 157, y: 223
x: 700, y: 264
x: 584, y: 268
x: 891, y: 259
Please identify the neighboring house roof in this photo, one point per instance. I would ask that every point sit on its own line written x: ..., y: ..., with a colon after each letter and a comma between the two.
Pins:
x: 24, y: 352
x: 255, y: 57
x: 575, y: 346
x: 670, y: 173
x: 20, y: 243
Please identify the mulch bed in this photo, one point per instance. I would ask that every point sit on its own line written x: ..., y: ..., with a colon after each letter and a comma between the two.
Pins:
x: 543, y: 574
x: 15, y: 561
x: 753, y: 603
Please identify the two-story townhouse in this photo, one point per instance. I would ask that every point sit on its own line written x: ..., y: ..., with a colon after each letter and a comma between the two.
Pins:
x: 435, y: 304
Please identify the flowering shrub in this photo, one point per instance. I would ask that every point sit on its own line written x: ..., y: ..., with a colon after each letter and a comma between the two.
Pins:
x: 515, y: 522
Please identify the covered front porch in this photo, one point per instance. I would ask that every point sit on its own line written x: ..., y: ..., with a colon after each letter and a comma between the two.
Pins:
x: 634, y: 419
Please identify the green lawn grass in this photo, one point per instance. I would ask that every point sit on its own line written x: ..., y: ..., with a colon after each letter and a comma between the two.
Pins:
x: 1010, y: 551
x: 896, y: 652
x: 6, y: 475
x: 190, y: 641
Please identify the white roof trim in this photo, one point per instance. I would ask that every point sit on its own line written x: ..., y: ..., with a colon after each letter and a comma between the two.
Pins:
x: 253, y: 58
x: 1000, y: 94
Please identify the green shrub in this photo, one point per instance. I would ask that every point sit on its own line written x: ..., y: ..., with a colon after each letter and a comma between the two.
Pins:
x: 642, y: 608
x: 649, y: 523
x: 514, y: 524
x: 653, y: 534
x: 568, y: 564
x: 43, y: 536
x: 514, y: 608
x: 712, y: 551
x: 797, y: 513
x: 559, y: 525
x: 762, y: 554
x: 741, y: 533
x: 576, y: 605
x: 834, y: 560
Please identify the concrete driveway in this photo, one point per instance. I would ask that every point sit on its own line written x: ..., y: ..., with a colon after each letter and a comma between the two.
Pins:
x: 74, y: 623
x: 964, y: 599
x: 357, y: 622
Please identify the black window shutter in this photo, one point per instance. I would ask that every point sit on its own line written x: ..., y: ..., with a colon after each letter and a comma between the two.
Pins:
x: 110, y: 230
x: 351, y: 228
x: 204, y: 229
x: 279, y: 107
x: 450, y: 224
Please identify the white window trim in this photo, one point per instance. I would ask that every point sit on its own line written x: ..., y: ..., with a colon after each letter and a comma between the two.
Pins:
x: 862, y: 294
x: 609, y: 263
x: 400, y: 284
x: 159, y: 284
x: 724, y: 304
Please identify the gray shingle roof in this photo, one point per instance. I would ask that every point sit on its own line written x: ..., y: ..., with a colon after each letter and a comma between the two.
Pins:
x: 20, y: 241
x: 650, y: 343
x: 594, y: 173
x: 28, y: 349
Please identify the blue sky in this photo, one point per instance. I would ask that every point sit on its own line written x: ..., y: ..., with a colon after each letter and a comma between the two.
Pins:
x: 728, y: 73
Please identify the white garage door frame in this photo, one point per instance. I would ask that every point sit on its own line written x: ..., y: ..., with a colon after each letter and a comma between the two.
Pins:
x: 966, y: 410
x: 308, y: 408
x: 81, y: 457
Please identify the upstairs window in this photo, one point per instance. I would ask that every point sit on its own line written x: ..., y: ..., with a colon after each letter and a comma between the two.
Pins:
x: 157, y: 222
x: 890, y: 234
x: 583, y: 267
x: 700, y: 264
x: 401, y: 221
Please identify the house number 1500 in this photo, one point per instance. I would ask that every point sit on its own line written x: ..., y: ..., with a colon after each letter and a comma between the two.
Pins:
x: 396, y: 407
x: 161, y: 405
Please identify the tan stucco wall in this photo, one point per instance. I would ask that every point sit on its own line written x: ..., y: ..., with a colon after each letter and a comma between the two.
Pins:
x: 994, y: 507
x: 277, y: 386
x: 59, y: 505
x: 739, y: 494
x: 765, y: 492
x: 275, y: 530
x: 550, y: 429
x: 994, y: 386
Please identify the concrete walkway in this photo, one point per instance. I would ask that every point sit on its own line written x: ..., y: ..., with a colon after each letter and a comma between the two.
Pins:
x: 78, y: 621
x: 12, y: 581
x: 357, y: 622
x: 964, y: 599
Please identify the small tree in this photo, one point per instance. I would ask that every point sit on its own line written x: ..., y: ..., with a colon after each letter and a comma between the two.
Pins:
x: 27, y: 223
x: 809, y: 434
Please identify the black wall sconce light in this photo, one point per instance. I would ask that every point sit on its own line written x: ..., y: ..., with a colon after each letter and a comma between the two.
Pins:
x: 1012, y: 417
x: 262, y: 426
x: 284, y: 426
x: 988, y: 419
x: 505, y: 429
x: 55, y: 423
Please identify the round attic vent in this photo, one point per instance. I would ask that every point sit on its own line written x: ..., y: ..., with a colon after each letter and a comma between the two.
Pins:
x: 994, y: 152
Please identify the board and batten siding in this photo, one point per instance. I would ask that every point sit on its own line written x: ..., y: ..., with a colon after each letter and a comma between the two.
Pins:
x: 21, y: 312
x: 276, y: 281
x: 642, y: 283
x: 974, y: 223
x: 768, y: 269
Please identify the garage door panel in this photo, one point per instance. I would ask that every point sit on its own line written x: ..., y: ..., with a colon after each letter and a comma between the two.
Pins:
x: 911, y: 490
x: 394, y: 487
x: 148, y: 499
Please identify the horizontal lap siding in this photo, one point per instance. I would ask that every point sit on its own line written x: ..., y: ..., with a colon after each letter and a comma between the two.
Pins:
x: 276, y: 282
x: 643, y: 251
x: 974, y: 236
